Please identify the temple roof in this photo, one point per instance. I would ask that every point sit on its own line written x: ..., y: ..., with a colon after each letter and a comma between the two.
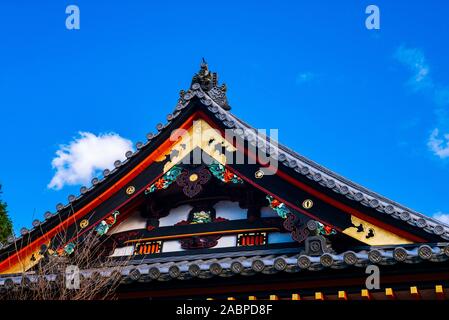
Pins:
x: 251, y: 263
x: 205, y: 88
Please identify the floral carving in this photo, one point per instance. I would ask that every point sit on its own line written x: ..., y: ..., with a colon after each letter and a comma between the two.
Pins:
x: 325, y: 230
x: 221, y: 172
x: 104, y: 226
x: 197, y: 216
x: 165, y: 181
x: 280, y: 208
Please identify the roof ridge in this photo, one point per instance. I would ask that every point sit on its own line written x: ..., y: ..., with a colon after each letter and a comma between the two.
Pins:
x: 327, y: 177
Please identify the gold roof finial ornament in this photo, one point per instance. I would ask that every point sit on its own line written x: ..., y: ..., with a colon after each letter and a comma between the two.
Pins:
x: 208, y: 82
x: 204, y: 66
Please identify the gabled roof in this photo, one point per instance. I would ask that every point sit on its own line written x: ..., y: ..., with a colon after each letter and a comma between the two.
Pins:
x: 331, y: 180
x: 205, y: 93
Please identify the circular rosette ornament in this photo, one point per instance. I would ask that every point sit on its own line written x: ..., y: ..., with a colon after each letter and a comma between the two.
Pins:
x: 192, y: 181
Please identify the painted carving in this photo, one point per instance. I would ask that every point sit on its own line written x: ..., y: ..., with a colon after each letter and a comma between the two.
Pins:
x: 204, y: 242
x: 201, y: 217
x: 300, y: 233
x: 67, y: 250
x: 252, y: 239
x: 192, y: 181
x: 221, y: 172
x: 290, y: 222
x: 196, y: 216
x: 361, y: 228
x: 325, y: 230
x: 299, y: 229
x: 166, y: 180
x: 101, y: 229
x: 280, y: 208
x: 148, y: 247
x: 104, y: 226
x: 372, y: 234
x: 201, y: 135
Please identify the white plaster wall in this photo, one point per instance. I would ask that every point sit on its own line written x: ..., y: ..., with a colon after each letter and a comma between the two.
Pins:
x: 230, y: 210
x: 225, y: 209
x: 172, y: 246
x: 223, y: 242
x: 124, y: 251
x: 227, y: 241
x: 133, y: 222
x: 267, y: 212
x: 175, y: 215
x: 277, y: 237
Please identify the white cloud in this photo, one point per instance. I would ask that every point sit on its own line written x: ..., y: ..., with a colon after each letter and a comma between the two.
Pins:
x: 415, y: 61
x: 443, y: 217
x: 439, y: 146
x: 82, y: 159
x: 305, y: 77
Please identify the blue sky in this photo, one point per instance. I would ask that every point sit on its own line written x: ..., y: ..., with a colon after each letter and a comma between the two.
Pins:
x: 368, y: 104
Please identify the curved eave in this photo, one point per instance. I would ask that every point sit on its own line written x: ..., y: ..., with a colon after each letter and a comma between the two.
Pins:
x: 258, y: 262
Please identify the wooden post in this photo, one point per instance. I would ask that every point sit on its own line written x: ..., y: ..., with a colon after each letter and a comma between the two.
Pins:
x: 342, y: 295
x: 415, y: 293
x: 296, y: 296
x: 319, y: 296
x: 389, y: 293
x: 365, y: 294
x: 439, y: 292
